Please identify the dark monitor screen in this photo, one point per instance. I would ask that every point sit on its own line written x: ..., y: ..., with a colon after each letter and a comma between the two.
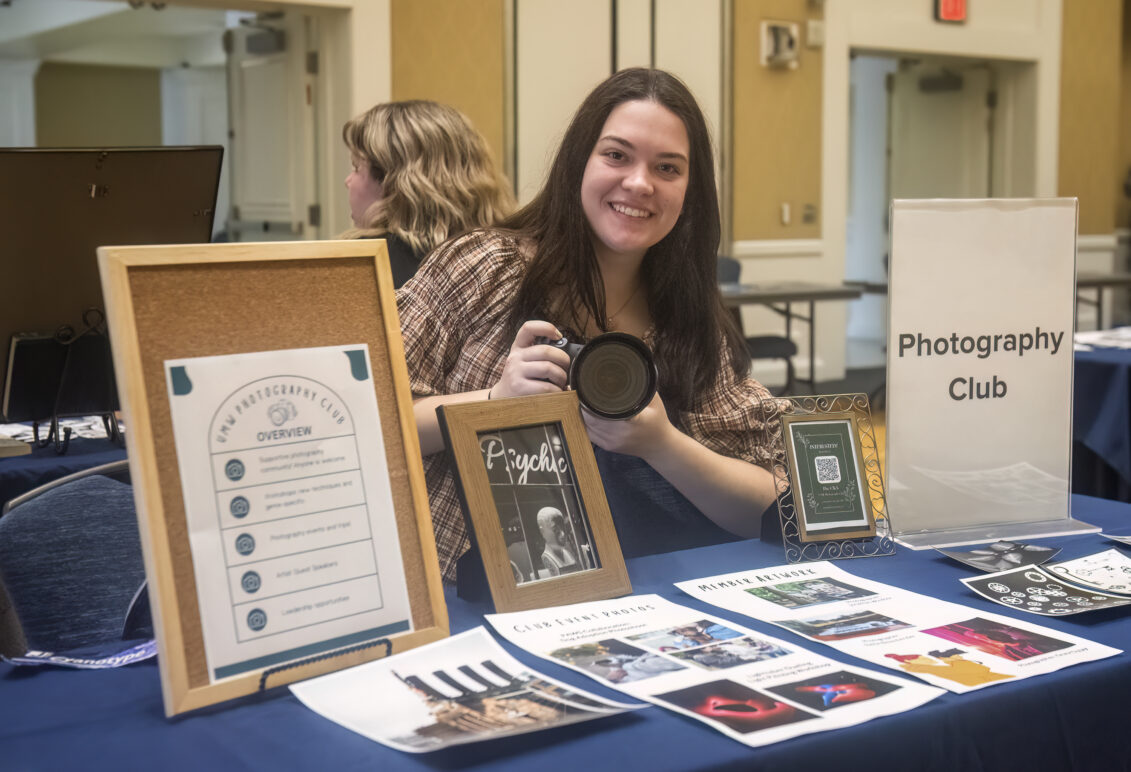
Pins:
x: 58, y: 205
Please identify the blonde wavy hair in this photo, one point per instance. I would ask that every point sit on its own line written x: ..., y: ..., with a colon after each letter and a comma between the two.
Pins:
x: 436, y: 171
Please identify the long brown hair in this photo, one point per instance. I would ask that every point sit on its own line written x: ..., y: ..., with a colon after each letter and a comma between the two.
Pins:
x: 436, y: 171
x: 679, y: 272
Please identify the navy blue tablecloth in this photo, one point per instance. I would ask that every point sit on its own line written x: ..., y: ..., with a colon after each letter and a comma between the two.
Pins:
x: 19, y: 474
x: 1075, y: 719
x: 1101, y: 424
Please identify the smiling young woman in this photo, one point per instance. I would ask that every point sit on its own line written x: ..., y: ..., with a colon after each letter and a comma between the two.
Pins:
x: 623, y: 236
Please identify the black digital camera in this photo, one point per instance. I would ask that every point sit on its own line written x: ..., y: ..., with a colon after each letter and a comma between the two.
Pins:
x: 614, y: 374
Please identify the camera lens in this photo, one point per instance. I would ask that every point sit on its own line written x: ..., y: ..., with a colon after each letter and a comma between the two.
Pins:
x: 614, y: 375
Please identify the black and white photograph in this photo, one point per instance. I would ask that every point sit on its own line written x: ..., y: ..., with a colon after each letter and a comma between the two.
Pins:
x: 808, y: 592
x: 741, y: 651
x: 1002, y: 555
x: 544, y: 524
x: 459, y: 690
x: 616, y: 661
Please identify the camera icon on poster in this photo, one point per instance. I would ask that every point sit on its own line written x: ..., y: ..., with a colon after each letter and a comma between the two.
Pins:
x: 234, y: 470
x: 250, y: 582
x: 239, y: 507
x: 281, y: 412
x: 245, y: 544
x: 257, y: 619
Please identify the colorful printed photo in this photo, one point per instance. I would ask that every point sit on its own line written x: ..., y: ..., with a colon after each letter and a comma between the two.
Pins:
x: 809, y: 592
x: 998, y: 639
x: 845, y: 626
x: 685, y: 636
x: 834, y: 690
x: 741, y: 651
x: 735, y: 706
x: 955, y: 665
x: 616, y: 661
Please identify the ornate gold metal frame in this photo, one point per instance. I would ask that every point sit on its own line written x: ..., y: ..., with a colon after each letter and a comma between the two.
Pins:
x: 856, y: 408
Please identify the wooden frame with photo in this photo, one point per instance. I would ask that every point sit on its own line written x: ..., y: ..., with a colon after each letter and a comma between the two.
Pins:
x: 174, y: 302
x: 834, y: 504
x: 534, y: 501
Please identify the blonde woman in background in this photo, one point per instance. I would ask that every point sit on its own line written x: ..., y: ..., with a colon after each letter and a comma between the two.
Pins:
x: 421, y: 175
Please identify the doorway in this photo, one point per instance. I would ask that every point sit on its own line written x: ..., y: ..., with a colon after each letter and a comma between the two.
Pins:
x: 169, y: 74
x: 920, y: 127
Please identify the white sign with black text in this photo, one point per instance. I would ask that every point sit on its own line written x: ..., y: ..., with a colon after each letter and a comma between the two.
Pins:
x: 979, y: 375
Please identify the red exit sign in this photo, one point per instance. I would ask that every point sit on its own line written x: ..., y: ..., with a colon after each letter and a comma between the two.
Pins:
x: 950, y: 10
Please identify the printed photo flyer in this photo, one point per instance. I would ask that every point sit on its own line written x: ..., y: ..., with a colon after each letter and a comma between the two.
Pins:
x: 947, y: 644
x: 749, y: 686
x: 459, y: 690
x: 288, y: 504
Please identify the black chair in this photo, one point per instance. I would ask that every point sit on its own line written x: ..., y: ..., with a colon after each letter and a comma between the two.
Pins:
x: 761, y: 346
x: 70, y: 565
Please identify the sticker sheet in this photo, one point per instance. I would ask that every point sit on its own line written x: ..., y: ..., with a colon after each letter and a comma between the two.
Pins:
x: 1037, y: 591
x: 1108, y: 571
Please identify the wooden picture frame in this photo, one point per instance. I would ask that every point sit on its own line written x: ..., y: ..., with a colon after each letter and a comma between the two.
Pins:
x: 534, y: 501
x: 832, y: 503
x: 166, y: 303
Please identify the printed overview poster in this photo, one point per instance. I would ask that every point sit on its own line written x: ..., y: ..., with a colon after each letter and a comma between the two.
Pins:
x: 751, y: 687
x: 459, y: 690
x: 290, y: 513
x: 947, y: 644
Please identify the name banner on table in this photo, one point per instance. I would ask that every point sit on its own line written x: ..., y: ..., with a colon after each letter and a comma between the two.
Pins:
x: 751, y: 687
x: 945, y: 644
x: 979, y: 374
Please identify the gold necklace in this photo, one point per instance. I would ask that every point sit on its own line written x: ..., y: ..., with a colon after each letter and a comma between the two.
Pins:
x: 613, y: 315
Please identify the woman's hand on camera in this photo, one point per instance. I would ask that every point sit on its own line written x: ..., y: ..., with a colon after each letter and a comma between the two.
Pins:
x: 643, y: 434
x: 532, y: 367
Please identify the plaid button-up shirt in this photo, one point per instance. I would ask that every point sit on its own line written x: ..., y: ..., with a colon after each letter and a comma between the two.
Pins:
x: 455, y: 342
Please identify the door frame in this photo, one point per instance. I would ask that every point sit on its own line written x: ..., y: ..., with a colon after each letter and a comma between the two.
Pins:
x: 355, y: 73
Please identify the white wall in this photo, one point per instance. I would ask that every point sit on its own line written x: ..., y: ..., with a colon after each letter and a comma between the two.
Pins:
x: 17, y: 102
x: 194, y: 111
x: 563, y: 50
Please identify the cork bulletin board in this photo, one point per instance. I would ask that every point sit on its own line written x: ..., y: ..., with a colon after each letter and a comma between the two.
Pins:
x: 175, y: 302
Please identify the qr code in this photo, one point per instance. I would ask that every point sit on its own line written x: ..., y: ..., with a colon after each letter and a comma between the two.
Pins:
x: 828, y: 469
